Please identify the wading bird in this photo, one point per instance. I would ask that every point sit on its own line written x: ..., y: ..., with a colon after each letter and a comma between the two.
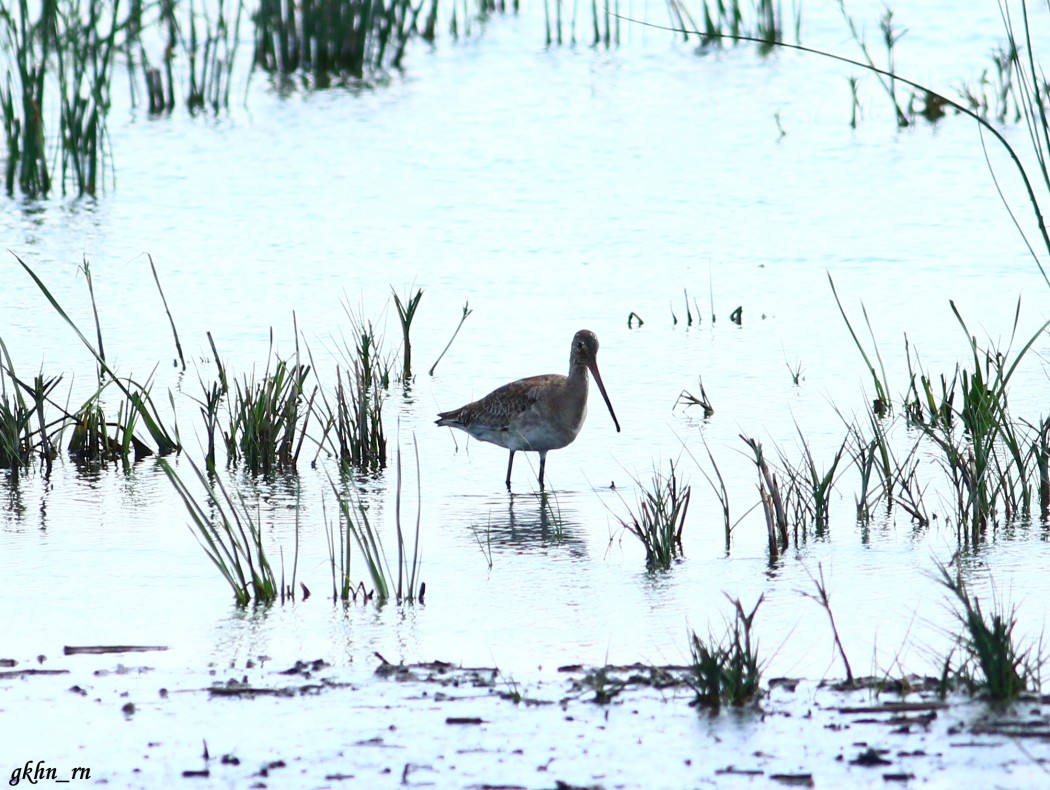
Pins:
x: 536, y: 414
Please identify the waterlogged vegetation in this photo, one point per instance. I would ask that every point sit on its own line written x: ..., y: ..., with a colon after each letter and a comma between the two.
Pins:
x: 993, y: 462
x: 947, y: 453
x: 181, y: 53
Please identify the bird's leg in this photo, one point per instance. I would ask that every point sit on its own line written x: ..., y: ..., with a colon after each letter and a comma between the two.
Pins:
x: 543, y: 464
x: 510, y: 465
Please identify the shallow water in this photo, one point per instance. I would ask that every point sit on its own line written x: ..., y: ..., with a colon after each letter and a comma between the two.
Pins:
x: 551, y: 190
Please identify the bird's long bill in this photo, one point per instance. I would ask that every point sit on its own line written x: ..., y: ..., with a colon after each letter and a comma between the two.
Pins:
x: 598, y: 378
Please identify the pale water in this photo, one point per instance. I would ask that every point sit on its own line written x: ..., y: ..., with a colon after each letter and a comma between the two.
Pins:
x: 551, y: 190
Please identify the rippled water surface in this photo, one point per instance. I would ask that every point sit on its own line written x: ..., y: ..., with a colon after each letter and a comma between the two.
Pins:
x: 551, y: 190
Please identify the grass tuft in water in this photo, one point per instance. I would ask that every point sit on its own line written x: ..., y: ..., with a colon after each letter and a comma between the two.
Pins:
x: 811, y: 486
x: 354, y: 512
x: 727, y: 670
x: 994, y: 665
x: 269, y: 417
x: 406, y: 312
x: 761, y: 21
x: 992, y: 461
x: 16, y: 417
x: 138, y: 395
x: 68, y: 48
x: 354, y: 422
x: 341, y: 37
x: 230, y: 536
x: 660, y: 519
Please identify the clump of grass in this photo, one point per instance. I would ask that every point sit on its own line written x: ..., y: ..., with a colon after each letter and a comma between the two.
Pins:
x: 72, y: 47
x: 339, y: 543
x: 230, y: 536
x: 811, y: 486
x: 91, y: 439
x: 264, y: 428
x: 660, y: 519
x: 138, y: 395
x: 18, y: 439
x: 991, y: 460
x: 994, y: 664
x: 269, y: 417
x: 355, y: 420
x: 358, y: 525
x: 351, y: 37
x: 762, y: 21
x: 16, y: 417
x: 727, y: 670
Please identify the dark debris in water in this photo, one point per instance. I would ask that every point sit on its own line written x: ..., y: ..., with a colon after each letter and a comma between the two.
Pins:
x: 441, y: 672
x: 243, y: 688
x: 306, y: 669
x: 904, y: 729
x: 608, y: 682
x: 24, y: 673
x: 794, y: 780
x: 95, y: 650
x: 871, y: 757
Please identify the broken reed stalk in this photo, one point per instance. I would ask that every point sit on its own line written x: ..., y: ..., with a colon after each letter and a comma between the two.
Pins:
x: 772, y: 501
x: 288, y: 590
x: 688, y: 399
x: 720, y: 491
x: 883, y: 405
x: 890, y: 36
x: 212, y: 396
x: 466, y: 312
x: 824, y: 599
x: 167, y: 310
x: 85, y: 267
